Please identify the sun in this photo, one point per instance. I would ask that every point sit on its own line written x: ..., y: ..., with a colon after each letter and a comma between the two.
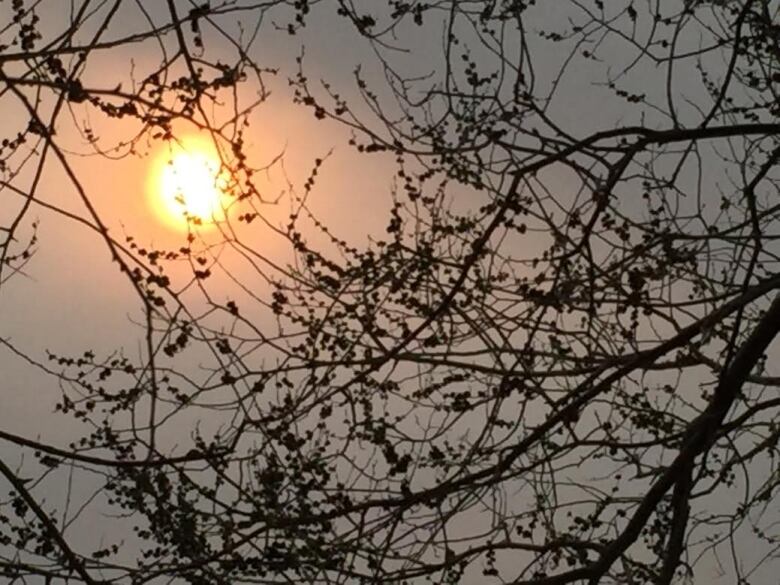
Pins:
x: 187, y: 185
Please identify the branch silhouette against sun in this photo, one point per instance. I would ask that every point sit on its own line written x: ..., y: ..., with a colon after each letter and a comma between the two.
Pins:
x: 553, y: 364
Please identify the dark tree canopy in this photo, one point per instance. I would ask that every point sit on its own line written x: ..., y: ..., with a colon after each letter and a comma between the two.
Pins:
x: 554, y: 365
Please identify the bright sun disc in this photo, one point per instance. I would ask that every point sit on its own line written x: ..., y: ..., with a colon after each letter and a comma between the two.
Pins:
x: 187, y: 187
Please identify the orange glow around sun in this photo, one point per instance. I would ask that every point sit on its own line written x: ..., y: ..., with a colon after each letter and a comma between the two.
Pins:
x: 186, y: 186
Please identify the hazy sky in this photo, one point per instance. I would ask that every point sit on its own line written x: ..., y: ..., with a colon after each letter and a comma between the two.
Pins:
x: 70, y: 297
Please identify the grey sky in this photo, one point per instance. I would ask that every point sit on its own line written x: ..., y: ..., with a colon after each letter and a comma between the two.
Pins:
x: 71, y: 298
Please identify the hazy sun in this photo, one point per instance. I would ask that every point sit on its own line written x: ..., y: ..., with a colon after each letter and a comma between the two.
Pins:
x: 186, y: 185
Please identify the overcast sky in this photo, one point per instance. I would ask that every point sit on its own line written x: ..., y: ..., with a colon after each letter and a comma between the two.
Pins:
x: 70, y: 297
